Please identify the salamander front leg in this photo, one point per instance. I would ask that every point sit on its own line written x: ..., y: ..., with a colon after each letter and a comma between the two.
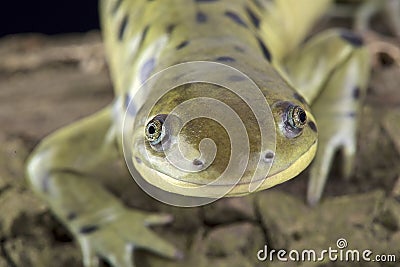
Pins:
x: 62, y: 171
x: 334, y: 82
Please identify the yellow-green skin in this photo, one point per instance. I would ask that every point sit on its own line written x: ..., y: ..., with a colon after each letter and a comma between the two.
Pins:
x: 260, y: 38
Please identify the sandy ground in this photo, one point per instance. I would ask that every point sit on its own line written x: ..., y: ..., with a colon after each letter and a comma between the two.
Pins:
x: 47, y: 83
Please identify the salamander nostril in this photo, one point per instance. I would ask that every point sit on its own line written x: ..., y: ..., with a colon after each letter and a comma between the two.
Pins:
x: 198, y: 162
x: 269, y: 156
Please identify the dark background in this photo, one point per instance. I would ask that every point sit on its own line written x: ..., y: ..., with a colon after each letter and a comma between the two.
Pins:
x: 48, y: 16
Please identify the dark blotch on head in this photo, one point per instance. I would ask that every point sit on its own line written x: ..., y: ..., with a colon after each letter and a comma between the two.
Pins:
x: 299, y: 98
x: 201, y: 17
x: 182, y: 45
x: 264, y: 49
x: 235, y: 17
x: 88, y: 229
x: 147, y: 69
x: 352, y: 38
x: 225, y: 59
x: 122, y: 27
x: 312, y: 126
x: 254, y: 19
x: 356, y: 93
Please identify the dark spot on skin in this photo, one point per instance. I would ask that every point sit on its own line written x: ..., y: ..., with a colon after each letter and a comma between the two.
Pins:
x: 312, y: 126
x: 170, y: 28
x: 264, y: 49
x: 182, y: 45
x: 138, y: 160
x: 225, y: 59
x: 201, y: 17
x: 144, y: 34
x: 236, y: 78
x: 88, y: 229
x: 116, y: 6
x: 71, y: 216
x: 235, y: 17
x: 122, y: 27
x: 254, y: 19
x: 352, y: 38
x: 356, y: 93
x: 299, y: 98
x: 147, y: 69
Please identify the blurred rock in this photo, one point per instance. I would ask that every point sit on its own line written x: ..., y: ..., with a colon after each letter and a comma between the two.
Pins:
x: 365, y: 221
x: 229, y: 210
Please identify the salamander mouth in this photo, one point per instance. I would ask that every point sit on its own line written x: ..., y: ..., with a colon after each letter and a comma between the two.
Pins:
x: 166, y: 182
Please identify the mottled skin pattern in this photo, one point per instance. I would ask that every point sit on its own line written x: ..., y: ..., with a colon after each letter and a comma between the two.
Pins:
x: 261, y: 39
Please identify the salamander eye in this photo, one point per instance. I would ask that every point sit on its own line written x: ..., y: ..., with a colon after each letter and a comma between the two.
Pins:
x: 297, y: 117
x: 155, y: 130
x: 295, y: 120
